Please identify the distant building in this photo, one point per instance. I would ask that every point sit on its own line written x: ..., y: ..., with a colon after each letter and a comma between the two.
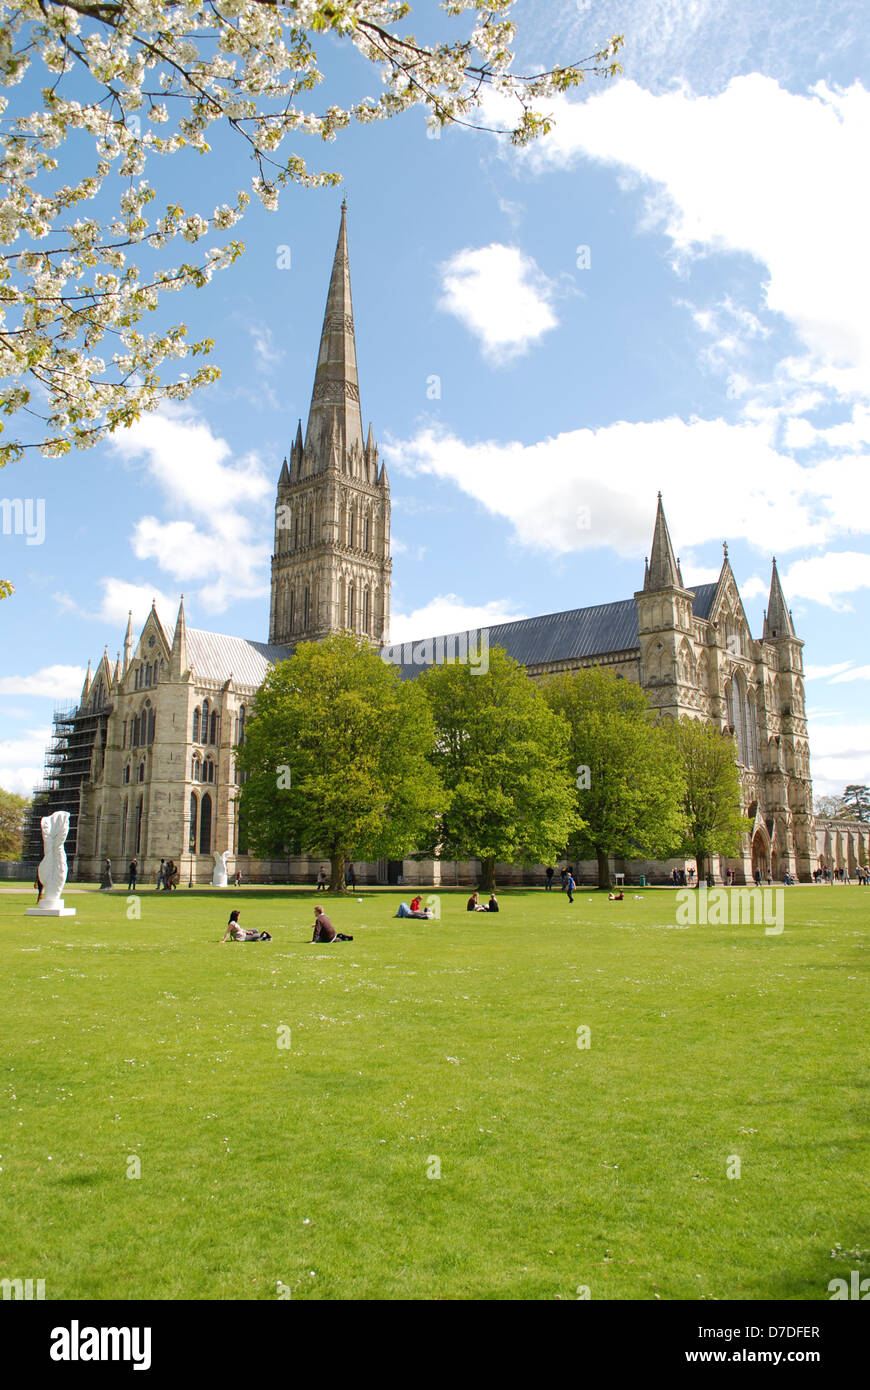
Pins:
x: 146, y: 763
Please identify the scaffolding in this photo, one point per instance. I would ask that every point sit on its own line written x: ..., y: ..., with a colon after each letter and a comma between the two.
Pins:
x: 77, y: 731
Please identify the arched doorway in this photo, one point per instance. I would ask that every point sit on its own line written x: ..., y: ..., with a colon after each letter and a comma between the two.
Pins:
x: 760, y: 854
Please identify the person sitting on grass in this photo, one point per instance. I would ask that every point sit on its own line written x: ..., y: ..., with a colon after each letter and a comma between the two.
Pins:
x: 492, y: 905
x: 236, y: 932
x: 474, y: 904
x: 324, y: 931
x: 615, y: 897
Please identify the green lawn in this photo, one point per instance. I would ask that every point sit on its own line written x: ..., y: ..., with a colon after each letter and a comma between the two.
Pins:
x: 453, y: 1041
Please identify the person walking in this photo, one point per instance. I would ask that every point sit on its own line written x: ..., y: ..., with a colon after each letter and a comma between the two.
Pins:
x: 549, y: 877
x: 570, y: 885
x: 321, y: 877
x: 161, y: 876
x: 131, y: 876
x: 350, y: 876
x: 106, y: 880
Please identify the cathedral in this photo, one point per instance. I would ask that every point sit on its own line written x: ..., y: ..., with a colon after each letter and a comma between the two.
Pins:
x: 145, y: 761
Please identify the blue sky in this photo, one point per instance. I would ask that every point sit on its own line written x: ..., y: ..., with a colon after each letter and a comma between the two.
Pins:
x: 669, y: 292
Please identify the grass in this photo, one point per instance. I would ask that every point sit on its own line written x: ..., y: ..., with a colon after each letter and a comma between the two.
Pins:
x: 452, y: 1042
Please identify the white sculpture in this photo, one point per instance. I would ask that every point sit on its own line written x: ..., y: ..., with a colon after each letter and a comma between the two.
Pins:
x: 219, y: 877
x: 53, y: 867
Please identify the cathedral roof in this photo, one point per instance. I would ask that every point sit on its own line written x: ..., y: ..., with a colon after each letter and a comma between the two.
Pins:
x: 215, y: 657
x: 600, y: 630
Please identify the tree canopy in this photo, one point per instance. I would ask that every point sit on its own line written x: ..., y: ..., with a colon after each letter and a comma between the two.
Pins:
x: 13, y: 818
x: 711, y: 798
x: 499, y: 753
x: 630, y: 786
x: 335, y: 757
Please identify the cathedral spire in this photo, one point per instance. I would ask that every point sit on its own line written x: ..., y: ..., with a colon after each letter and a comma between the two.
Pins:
x: 777, y: 620
x: 335, y: 397
x: 128, y: 641
x: 86, y: 688
x: 664, y: 571
x: 178, y: 655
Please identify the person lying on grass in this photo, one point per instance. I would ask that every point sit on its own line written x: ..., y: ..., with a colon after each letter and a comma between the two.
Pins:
x: 324, y: 931
x: 236, y: 932
x: 423, y: 913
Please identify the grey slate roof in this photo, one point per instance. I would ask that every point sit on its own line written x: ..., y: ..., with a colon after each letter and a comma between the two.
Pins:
x: 215, y: 656
x: 578, y: 633
x: 703, y: 600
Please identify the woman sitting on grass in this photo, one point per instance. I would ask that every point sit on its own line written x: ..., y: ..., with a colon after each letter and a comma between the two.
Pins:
x: 236, y: 932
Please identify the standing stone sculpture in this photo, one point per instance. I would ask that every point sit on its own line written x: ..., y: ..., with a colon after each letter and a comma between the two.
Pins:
x: 219, y: 877
x: 53, y: 867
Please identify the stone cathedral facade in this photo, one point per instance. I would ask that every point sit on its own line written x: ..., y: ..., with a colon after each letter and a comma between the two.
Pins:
x: 145, y: 761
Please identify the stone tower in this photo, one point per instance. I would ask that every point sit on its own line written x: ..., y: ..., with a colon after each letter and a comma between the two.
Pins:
x: 789, y: 789
x: 331, y: 565
x: 665, y: 626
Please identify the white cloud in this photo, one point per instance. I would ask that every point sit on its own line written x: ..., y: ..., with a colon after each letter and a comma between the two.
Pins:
x: 21, y: 760
x: 121, y: 597
x: 190, y: 464
x: 826, y: 578
x: 840, y: 756
x: 267, y: 354
x: 756, y: 170
x: 63, y: 682
x: 857, y: 673
x: 218, y: 553
x: 814, y: 673
x: 446, y: 614
x: 501, y: 296
x: 235, y: 564
x: 592, y: 488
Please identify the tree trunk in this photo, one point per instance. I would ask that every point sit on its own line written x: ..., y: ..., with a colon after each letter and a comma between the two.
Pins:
x: 701, y: 862
x: 603, y: 868
x: 336, y: 871
x: 487, y: 875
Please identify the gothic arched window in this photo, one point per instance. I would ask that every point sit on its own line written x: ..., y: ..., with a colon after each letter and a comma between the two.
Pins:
x: 152, y: 721
x: 240, y: 726
x: 214, y: 727
x: 203, y: 728
x: 351, y: 526
x: 139, y: 818
x: 366, y: 532
x: 351, y: 606
x: 366, y: 610
x: 142, y: 771
x: 127, y: 773
x: 196, y: 717
x: 124, y: 827
x: 292, y: 623
x: 191, y: 843
x: 306, y: 607
x: 205, y: 825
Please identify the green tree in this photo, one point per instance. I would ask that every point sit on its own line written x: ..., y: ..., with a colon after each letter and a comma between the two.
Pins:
x: 336, y: 756
x: 711, y: 800
x: 856, y: 801
x: 630, y: 787
x: 499, y: 754
x: 13, y: 817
